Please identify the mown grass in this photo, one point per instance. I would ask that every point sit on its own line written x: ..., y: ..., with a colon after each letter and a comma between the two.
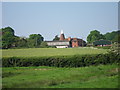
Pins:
x: 31, y: 52
x: 102, y: 76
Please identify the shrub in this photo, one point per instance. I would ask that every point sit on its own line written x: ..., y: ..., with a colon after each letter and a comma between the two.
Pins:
x: 62, y: 61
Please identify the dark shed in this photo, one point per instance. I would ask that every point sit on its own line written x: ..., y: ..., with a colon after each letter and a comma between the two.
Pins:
x: 102, y: 43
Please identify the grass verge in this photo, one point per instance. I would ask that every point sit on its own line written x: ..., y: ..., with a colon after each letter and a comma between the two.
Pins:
x: 102, y: 76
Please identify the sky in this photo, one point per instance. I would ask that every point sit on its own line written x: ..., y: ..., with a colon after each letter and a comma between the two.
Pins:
x: 76, y: 19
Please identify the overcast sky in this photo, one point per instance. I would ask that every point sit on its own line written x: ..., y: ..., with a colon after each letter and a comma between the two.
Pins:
x: 76, y: 19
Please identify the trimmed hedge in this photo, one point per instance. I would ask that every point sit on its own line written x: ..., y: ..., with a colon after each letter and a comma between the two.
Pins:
x: 61, y: 61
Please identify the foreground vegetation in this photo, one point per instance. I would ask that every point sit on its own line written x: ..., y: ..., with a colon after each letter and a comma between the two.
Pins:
x: 31, y: 52
x: 102, y: 76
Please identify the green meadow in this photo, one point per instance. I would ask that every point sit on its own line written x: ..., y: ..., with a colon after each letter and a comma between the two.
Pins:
x: 102, y: 76
x: 31, y: 52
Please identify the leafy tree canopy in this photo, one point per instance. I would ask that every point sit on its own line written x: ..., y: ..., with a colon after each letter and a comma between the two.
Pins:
x: 8, y: 37
x: 36, y: 36
x: 8, y: 30
x: 9, y: 40
x: 94, y: 35
x: 35, y: 40
x: 113, y: 36
x: 44, y: 44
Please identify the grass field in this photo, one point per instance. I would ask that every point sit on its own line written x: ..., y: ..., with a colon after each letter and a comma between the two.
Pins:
x: 31, y: 52
x: 102, y: 76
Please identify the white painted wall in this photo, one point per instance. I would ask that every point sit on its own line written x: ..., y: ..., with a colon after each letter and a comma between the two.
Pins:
x: 61, y: 46
x: 57, y: 43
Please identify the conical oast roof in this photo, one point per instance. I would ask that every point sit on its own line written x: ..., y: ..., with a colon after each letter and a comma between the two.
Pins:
x: 62, y: 36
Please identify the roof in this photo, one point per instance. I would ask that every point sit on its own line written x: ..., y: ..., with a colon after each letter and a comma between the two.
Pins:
x: 73, y: 38
x: 102, y: 42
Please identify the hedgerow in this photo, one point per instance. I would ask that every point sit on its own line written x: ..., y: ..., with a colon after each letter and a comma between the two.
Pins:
x: 61, y: 61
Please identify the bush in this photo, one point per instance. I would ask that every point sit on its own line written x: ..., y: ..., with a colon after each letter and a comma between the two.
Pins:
x: 61, y: 61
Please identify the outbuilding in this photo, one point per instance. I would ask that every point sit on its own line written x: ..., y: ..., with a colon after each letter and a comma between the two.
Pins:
x: 102, y: 43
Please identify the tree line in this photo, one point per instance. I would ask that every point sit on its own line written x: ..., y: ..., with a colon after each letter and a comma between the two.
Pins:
x: 95, y: 35
x: 8, y: 39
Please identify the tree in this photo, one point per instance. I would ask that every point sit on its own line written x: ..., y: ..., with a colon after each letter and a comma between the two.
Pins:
x: 8, y: 37
x: 116, y: 38
x: 112, y: 36
x: 20, y: 42
x: 94, y: 35
x: 30, y: 43
x: 44, y: 45
x: 35, y: 40
x: 56, y: 38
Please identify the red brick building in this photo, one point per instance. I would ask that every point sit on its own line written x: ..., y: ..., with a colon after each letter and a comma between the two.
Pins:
x: 74, y: 42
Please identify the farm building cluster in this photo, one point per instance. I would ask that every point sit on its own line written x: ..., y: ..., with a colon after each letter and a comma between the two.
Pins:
x: 74, y: 42
x: 67, y: 42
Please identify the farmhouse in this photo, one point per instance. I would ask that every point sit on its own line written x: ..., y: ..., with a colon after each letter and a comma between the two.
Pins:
x: 66, y: 42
